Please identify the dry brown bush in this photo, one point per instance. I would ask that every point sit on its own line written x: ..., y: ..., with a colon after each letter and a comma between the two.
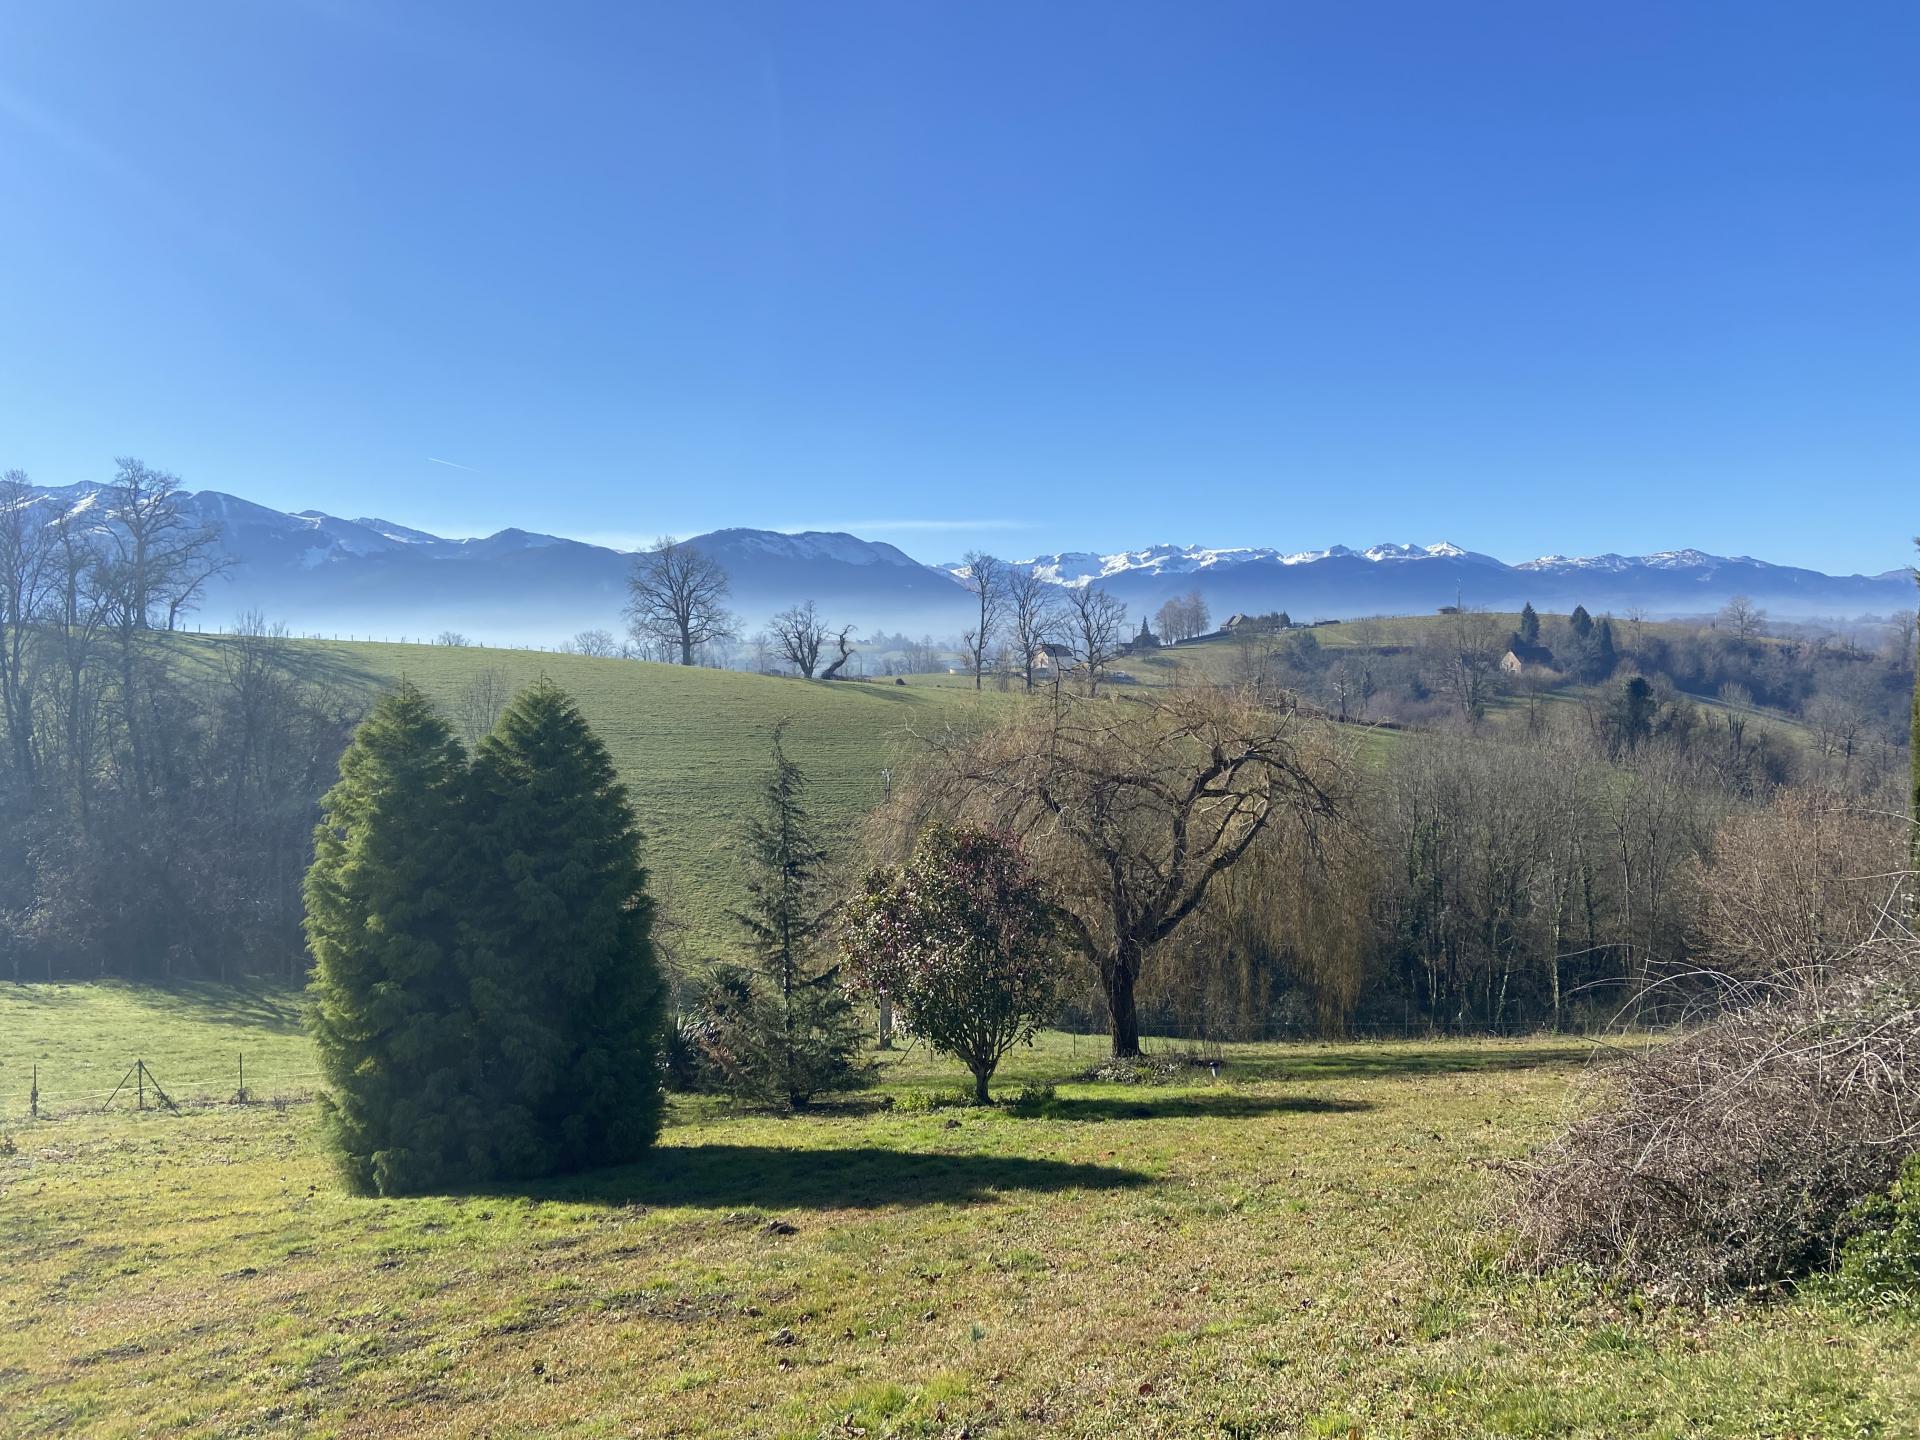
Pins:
x: 1729, y: 1160
x: 1812, y: 875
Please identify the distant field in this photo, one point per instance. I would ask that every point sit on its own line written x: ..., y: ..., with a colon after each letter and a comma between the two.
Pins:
x: 691, y: 744
x: 1301, y: 1248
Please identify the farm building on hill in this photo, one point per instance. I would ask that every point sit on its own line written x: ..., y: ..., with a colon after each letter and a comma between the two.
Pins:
x: 1520, y: 655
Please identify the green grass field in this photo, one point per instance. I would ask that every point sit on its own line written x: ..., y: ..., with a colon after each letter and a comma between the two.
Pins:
x: 690, y: 744
x: 1302, y: 1248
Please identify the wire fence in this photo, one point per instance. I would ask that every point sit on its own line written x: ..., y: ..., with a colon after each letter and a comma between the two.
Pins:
x: 50, y: 1090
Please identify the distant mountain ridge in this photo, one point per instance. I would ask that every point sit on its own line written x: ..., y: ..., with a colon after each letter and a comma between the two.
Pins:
x: 373, y: 577
x: 1339, y: 582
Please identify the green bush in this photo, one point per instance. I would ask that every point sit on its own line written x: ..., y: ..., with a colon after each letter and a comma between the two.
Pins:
x: 1032, y: 1097
x: 1880, y: 1265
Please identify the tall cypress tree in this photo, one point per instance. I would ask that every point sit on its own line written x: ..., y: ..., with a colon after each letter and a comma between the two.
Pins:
x: 567, y: 993
x: 388, y: 1011
x: 1529, y: 624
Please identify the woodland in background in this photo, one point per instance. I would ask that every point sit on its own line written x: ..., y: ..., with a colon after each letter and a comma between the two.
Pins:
x: 158, y: 814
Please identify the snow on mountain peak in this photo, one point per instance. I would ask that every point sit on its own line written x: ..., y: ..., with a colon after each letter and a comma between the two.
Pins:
x: 1075, y: 568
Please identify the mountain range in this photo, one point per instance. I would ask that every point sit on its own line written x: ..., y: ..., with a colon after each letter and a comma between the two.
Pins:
x: 320, y: 573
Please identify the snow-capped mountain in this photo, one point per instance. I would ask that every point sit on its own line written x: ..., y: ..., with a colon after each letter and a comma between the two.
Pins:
x: 1081, y: 567
x: 368, y: 576
x: 1395, y: 577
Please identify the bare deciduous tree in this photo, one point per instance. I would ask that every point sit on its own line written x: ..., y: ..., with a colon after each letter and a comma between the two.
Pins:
x: 1902, y: 624
x: 162, y: 559
x: 481, y: 703
x: 1097, y: 622
x: 28, y: 583
x: 677, y: 596
x: 846, y: 652
x: 1182, y: 617
x: 1133, y: 812
x: 797, y: 635
x: 1743, y: 618
x: 1034, y: 604
x: 923, y: 656
x: 987, y: 579
x: 598, y: 643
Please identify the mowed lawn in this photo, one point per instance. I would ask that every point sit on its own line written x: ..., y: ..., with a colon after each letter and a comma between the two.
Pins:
x: 1302, y: 1247
x: 690, y: 744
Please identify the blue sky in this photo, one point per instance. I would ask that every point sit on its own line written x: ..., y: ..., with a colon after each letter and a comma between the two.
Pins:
x: 1529, y: 277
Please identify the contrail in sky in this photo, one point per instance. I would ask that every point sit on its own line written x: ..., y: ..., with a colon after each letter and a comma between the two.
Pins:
x: 451, y: 465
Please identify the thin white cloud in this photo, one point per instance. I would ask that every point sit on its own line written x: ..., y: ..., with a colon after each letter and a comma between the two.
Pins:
x: 451, y: 464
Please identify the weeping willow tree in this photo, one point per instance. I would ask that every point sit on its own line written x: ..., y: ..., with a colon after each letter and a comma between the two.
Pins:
x: 1142, y: 815
x: 1293, y: 921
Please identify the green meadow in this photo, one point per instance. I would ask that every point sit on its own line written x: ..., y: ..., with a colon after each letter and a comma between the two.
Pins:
x: 690, y: 744
x: 1306, y: 1246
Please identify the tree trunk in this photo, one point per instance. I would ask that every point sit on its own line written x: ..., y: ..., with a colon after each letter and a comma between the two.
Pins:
x: 980, y: 1078
x: 1118, y: 980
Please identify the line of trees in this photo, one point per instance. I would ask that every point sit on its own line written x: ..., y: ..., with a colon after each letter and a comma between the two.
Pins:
x: 157, y: 809
x: 1020, y: 617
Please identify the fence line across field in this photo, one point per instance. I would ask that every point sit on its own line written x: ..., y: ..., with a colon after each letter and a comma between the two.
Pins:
x: 150, y: 1086
x: 249, y: 1080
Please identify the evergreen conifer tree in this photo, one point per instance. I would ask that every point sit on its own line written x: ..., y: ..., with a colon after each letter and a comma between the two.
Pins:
x: 1580, y: 622
x: 566, y: 991
x: 789, y: 1031
x: 1529, y: 624
x: 1604, y: 656
x: 388, y: 1010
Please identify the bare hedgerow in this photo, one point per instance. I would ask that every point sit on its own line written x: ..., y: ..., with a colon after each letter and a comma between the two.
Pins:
x: 1732, y: 1159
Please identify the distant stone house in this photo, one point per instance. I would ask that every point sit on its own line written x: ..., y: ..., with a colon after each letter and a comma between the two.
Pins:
x: 1521, y: 655
x: 1145, y: 640
x: 1051, y: 658
x: 1240, y: 623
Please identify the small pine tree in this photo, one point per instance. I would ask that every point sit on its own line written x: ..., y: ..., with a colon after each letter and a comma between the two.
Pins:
x: 566, y: 991
x: 1529, y: 624
x: 388, y: 1011
x: 1580, y: 622
x: 788, y: 1031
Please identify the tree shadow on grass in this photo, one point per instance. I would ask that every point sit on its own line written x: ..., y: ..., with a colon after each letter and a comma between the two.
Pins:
x: 1388, y: 1060
x: 263, y: 1005
x: 733, y: 1177
x: 1222, y: 1105
x: 269, y: 1005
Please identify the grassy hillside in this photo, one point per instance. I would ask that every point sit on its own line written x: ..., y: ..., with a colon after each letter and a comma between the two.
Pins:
x: 690, y: 744
x: 1302, y: 1248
